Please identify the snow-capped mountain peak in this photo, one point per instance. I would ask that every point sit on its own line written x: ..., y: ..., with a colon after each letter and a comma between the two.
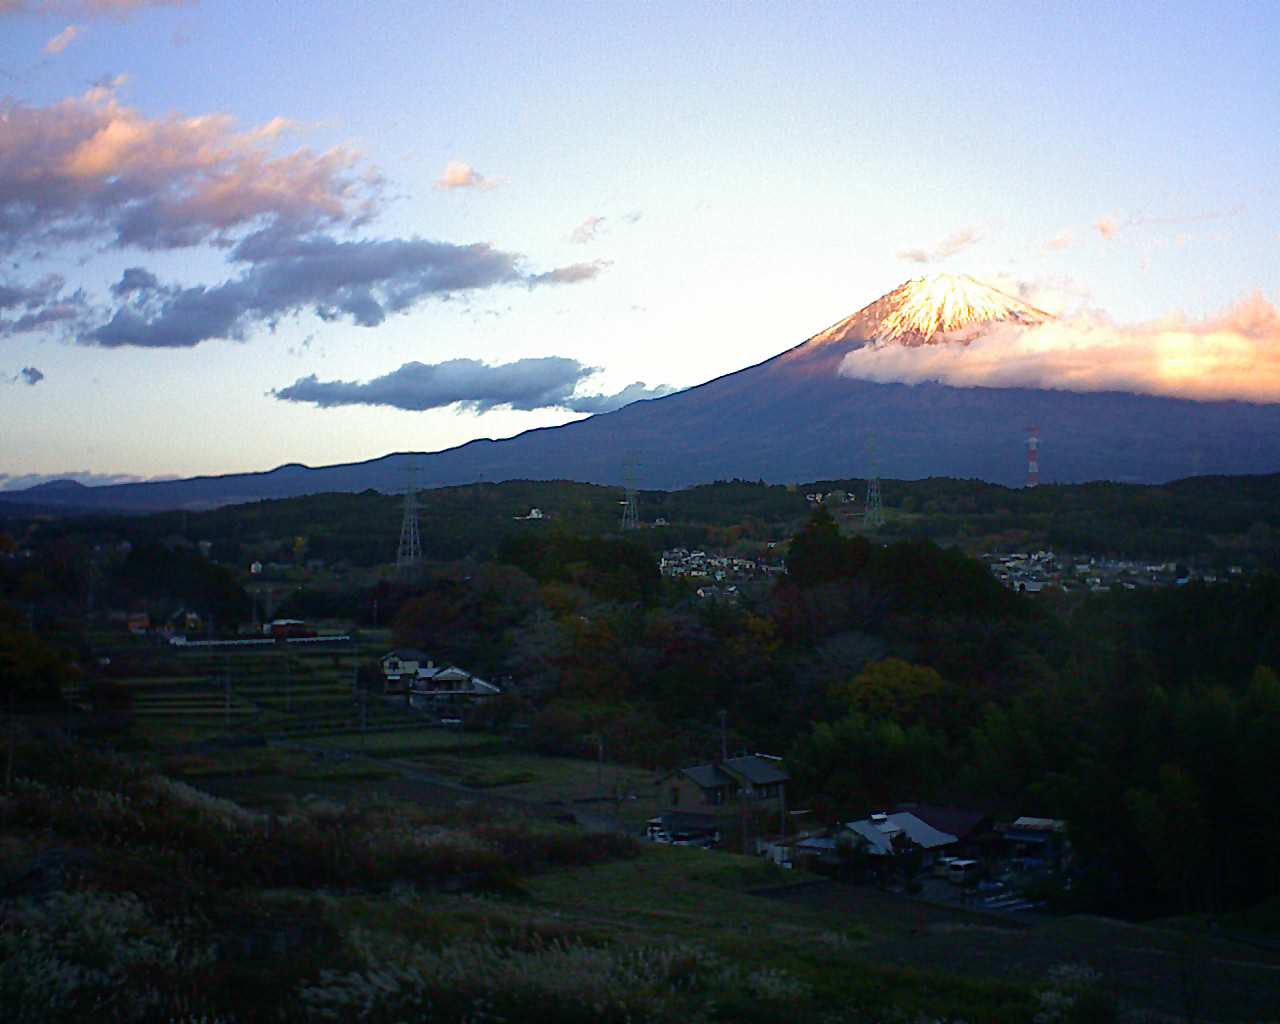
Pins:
x: 931, y: 310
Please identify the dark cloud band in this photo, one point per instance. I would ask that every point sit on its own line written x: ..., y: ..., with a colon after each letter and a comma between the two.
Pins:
x: 526, y: 384
x: 363, y: 282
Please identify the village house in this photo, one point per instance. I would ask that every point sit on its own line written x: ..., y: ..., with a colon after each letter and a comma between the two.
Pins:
x: 400, y: 667
x: 880, y: 837
x: 1042, y: 840
x: 449, y: 681
x: 974, y: 830
x: 754, y: 777
x: 883, y: 835
x: 409, y: 671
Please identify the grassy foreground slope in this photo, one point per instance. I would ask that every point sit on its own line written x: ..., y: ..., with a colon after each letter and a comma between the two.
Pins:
x: 128, y: 894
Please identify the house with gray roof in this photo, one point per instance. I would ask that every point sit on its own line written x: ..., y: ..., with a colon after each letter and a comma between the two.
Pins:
x: 879, y: 833
x: 757, y: 778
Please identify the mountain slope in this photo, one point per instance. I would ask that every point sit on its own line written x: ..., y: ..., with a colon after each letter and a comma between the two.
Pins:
x: 794, y: 418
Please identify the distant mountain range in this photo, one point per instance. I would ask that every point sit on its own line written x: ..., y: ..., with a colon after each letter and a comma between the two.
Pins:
x: 794, y: 418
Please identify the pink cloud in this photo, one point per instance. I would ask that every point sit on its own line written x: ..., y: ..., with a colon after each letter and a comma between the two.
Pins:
x: 1108, y: 227
x: 89, y: 167
x: 1235, y: 355
x: 63, y: 39
x: 587, y: 230
x: 459, y: 174
x: 86, y: 8
x: 1064, y: 239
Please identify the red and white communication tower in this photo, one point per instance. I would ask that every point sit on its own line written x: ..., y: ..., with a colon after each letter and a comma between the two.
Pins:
x: 1033, y: 456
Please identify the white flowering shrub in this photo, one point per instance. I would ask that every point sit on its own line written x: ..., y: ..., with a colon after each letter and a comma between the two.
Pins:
x: 79, y: 955
x: 1073, y: 993
x: 561, y: 979
x: 226, y: 812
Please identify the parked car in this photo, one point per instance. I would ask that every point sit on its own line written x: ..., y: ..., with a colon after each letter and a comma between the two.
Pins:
x: 962, y: 872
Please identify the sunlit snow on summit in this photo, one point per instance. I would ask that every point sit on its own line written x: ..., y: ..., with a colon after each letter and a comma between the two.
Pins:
x: 943, y: 304
x: 1005, y: 343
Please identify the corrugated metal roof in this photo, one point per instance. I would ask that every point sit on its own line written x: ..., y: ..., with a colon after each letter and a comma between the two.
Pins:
x: 1041, y: 824
x: 879, y: 834
x: 921, y: 832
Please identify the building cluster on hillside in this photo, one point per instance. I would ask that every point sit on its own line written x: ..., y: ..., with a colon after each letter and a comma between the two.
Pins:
x: 678, y: 562
x: 704, y: 804
x: 959, y: 846
x: 1033, y: 571
x: 830, y: 498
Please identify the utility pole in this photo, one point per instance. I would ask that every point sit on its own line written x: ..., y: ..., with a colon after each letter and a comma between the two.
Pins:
x: 724, y: 739
x: 355, y: 668
x: 13, y: 742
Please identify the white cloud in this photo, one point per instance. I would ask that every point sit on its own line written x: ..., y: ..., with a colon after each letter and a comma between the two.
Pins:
x: 954, y: 243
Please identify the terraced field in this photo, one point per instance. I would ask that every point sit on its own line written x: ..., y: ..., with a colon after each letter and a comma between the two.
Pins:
x: 289, y: 693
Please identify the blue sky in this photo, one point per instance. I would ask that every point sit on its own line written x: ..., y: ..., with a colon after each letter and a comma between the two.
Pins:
x: 653, y: 193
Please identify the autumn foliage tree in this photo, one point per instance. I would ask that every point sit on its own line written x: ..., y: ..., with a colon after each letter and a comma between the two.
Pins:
x: 819, y: 554
x: 896, y: 689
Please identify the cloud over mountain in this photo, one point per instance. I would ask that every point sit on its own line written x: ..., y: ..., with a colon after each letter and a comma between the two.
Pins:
x: 21, y: 481
x: 525, y: 384
x: 1235, y: 355
x: 954, y: 243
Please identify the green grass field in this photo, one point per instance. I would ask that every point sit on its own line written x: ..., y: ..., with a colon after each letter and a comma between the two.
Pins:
x: 542, y: 779
x: 406, y: 743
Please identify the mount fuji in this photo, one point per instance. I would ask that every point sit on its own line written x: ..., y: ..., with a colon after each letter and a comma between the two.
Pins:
x: 795, y: 418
